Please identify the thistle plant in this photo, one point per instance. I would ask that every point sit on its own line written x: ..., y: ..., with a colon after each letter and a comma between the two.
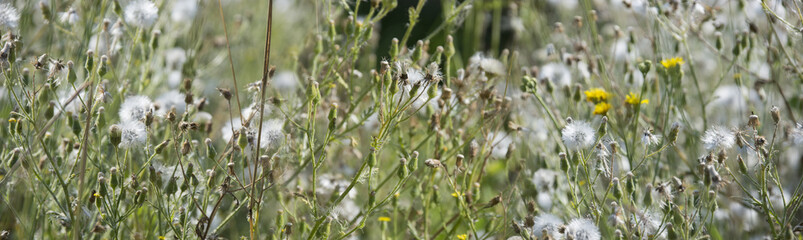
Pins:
x: 387, y: 119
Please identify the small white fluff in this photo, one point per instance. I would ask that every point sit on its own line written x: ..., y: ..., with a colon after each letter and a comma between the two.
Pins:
x: 797, y: 134
x: 141, y: 13
x: 286, y: 82
x: 133, y: 134
x: 577, y: 135
x: 547, y: 223
x: 134, y: 108
x: 478, y: 63
x: 500, y: 142
x: 69, y: 17
x: 271, y: 133
x: 718, y: 138
x: 9, y: 16
x: 184, y: 10
x: 557, y: 73
x: 544, y: 179
x: 415, y: 76
x: 649, y: 139
x: 582, y: 229
x: 168, y: 100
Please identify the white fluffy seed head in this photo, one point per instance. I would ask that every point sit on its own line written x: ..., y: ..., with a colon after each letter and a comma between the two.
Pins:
x: 547, y: 223
x: 9, y: 16
x: 582, y: 229
x: 718, y: 138
x: 134, y: 108
x: 141, y: 13
x: 133, y: 134
x: 577, y: 135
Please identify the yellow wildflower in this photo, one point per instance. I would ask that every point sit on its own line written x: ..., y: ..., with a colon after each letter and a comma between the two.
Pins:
x: 462, y: 236
x: 384, y: 219
x: 672, y: 62
x: 97, y: 195
x: 455, y: 194
x: 601, y: 108
x: 161, y: 237
x: 596, y: 95
x: 634, y: 99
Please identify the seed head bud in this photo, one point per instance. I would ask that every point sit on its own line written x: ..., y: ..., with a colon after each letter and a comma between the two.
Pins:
x: 45, y: 11
x: 372, y: 161
x: 394, y: 48
x: 617, y: 190
x: 225, y: 92
x: 450, y: 51
x: 742, y: 165
x: 333, y: 112
x: 644, y: 67
x: 103, y: 65
x: 418, y: 53
x: 516, y: 227
x: 753, y: 121
x: 648, y: 195
x: 529, y: 222
x: 510, y: 150
x: 432, y: 163
x: 603, y: 127
x: 776, y: 114
x: 103, y: 189
x: 403, y: 171
x: 722, y: 156
x: 155, y: 38
x: 564, y: 161
x: 172, y: 185
x: 673, y: 132
x: 115, y: 177
x: 459, y: 162
x: 115, y: 135
x: 242, y: 139
x: 185, y: 147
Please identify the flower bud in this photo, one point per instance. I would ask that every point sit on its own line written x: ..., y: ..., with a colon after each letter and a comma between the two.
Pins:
x: 115, y: 135
x: 776, y: 114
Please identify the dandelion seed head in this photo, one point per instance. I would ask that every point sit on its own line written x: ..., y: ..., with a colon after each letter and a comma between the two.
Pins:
x: 718, y: 138
x: 582, y: 229
x: 557, y: 73
x: 133, y: 135
x: 9, y: 16
x: 134, y: 108
x: 169, y: 100
x: 271, y: 133
x: 577, y: 135
x: 549, y: 223
x: 141, y: 13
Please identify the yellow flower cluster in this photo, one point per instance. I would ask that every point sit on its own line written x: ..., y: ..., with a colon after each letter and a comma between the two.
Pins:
x: 384, y: 219
x: 672, y: 62
x: 596, y: 95
x: 462, y: 236
x: 601, y: 108
x: 599, y: 97
x: 634, y: 99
